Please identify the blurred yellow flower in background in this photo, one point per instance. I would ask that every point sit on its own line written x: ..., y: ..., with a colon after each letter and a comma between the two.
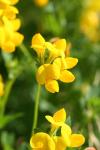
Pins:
x: 1, y: 86
x: 90, y: 20
x: 54, y: 62
x: 42, y: 141
x: 9, y: 24
x: 94, y: 5
x: 41, y: 3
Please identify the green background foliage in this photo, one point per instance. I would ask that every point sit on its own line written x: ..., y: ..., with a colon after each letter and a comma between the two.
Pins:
x: 81, y: 99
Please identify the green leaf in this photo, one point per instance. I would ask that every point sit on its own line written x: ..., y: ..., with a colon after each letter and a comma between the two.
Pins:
x: 4, y: 120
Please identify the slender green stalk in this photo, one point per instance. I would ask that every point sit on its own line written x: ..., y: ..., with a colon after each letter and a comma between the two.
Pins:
x: 27, y: 54
x: 35, y: 120
x: 25, y: 51
x: 5, y: 97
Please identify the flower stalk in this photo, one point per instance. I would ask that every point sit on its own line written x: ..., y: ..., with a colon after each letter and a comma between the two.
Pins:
x: 4, y: 99
x: 35, y: 120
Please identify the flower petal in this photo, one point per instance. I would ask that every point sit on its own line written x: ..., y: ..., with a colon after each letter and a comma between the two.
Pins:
x: 40, y: 75
x: 71, y: 62
x: 52, y: 71
x: 42, y: 141
x: 66, y: 133
x: 60, y: 116
x: 77, y: 140
x: 52, y: 86
x: 65, y: 130
x: 66, y: 76
x: 8, y: 46
x: 38, y: 44
x: 37, y: 40
x: 59, y: 143
x: 50, y: 119
x: 60, y: 44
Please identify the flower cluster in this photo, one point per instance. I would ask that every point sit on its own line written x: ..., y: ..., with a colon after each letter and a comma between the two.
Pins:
x: 44, y: 141
x: 1, y: 86
x: 90, y: 20
x: 9, y: 24
x: 54, y: 63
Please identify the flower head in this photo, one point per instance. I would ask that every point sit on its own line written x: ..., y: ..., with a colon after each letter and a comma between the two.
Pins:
x: 55, y: 63
x: 9, y: 24
x: 48, y: 74
x: 42, y: 141
x: 10, y: 37
x: 90, y: 20
x: 1, y: 86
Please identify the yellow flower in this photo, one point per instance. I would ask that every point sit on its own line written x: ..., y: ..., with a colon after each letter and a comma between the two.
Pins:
x: 38, y: 44
x: 59, y: 48
x: 55, y: 66
x: 94, y: 5
x: 42, y: 141
x: 65, y: 64
x: 48, y: 74
x: 10, y: 12
x: 41, y: 3
x: 90, y: 20
x: 1, y: 86
x: 71, y: 140
x: 57, y: 120
x: 9, y: 37
x: 9, y: 24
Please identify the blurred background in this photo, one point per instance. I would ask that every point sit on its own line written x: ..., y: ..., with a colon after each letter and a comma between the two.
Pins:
x: 78, y: 21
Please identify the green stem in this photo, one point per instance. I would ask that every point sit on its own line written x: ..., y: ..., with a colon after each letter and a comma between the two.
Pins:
x: 27, y: 54
x: 36, y: 107
x: 25, y: 51
x: 5, y: 97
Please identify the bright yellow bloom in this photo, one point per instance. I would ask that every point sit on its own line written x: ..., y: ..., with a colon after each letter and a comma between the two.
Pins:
x: 59, y: 48
x: 42, y: 141
x: 41, y: 3
x: 67, y: 139
x: 9, y: 37
x: 9, y: 11
x: 55, y: 62
x: 90, y: 24
x: 1, y: 86
x: 9, y: 24
x: 57, y: 120
x: 65, y: 64
x: 90, y: 20
x: 48, y: 74
x: 94, y: 5
x: 38, y: 44
x: 71, y: 140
